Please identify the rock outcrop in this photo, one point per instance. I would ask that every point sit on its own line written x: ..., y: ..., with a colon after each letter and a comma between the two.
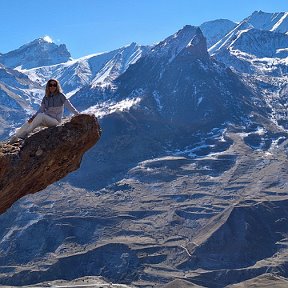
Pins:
x: 44, y: 157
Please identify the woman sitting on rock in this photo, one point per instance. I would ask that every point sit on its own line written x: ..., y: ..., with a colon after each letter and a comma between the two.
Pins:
x: 50, y: 112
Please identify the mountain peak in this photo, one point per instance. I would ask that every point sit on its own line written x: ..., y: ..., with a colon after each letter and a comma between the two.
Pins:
x: 39, y: 52
x: 216, y: 29
x: 188, y: 36
x: 47, y: 39
x: 41, y: 41
x: 277, y: 22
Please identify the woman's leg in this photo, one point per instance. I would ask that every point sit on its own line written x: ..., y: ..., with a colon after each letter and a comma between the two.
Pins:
x: 22, y: 131
x: 42, y: 119
x: 49, y: 121
x: 29, y: 127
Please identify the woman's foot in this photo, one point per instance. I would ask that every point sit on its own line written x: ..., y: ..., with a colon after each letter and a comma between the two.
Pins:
x: 13, y: 139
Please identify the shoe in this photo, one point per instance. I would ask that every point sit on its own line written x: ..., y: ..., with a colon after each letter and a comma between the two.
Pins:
x: 13, y: 139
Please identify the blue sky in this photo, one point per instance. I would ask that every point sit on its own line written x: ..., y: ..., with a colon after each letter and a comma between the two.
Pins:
x: 93, y: 26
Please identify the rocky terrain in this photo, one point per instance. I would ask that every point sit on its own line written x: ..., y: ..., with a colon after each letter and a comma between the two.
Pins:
x: 220, y: 218
x: 30, y: 165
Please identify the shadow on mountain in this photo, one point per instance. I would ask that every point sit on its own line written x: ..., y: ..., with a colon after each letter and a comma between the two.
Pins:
x: 230, y: 248
x: 116, y: 262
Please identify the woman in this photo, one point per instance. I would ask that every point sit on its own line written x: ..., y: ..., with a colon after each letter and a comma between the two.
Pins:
x: 50, y: 112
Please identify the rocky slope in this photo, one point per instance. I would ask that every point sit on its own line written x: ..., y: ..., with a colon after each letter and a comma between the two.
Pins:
x: 213, y: 221
x: 44, y: 157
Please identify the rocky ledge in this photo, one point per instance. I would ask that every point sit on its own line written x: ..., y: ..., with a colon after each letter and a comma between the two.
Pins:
x: 45, y: 157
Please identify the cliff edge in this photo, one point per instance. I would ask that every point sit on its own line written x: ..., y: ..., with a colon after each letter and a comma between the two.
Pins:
x: 44, y: 157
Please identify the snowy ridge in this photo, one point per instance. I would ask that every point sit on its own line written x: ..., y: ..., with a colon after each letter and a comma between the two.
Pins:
x: 261, y: 43
x: 174, y: 44
x: 257, y: 41
x: 118, y: 64
x: 252, y: 50
x: 230, y: 37
x: 278, y: 26
x: 277, y: 22
x: 257, y: 45
x: 215, y: 30
x: 17, y: 90
x: 39, y: 52
x: 96, y: 69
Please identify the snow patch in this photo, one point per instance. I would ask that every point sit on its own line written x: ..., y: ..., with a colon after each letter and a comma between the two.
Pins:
x: 200, y: 99
x: 157, y: 98
x: 48, y: 39
x: 259, y: 131
x: 277, y: 25
x: 107, y: 108
x: 20, y: 229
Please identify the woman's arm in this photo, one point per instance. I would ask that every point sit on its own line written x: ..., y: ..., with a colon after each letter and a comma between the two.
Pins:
x: 70, y: 107
x: 40, y: 110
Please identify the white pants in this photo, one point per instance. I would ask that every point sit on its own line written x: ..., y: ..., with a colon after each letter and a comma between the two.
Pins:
x: 40, y: 120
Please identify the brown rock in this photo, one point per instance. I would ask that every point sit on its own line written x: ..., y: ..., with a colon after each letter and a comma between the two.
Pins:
x: 44, y: 157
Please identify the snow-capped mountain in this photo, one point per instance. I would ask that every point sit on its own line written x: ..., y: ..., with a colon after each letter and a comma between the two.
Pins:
x: 215, y: 30
x: 252, y: 50
x: 262, y: 53
x: 94, y: 70
x: 148, y: 69
x: 256, y: 44
x: 276, y: 22
x: 184, y: 84
x: 173, y: 45
x: 162, y: 101
x: 262, y: 44
x: 91, y: 78
x: 39, y: 52
x: 230, y: 37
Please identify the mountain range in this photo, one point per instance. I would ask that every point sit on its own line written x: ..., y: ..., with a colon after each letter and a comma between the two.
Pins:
x: 189, y: 180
